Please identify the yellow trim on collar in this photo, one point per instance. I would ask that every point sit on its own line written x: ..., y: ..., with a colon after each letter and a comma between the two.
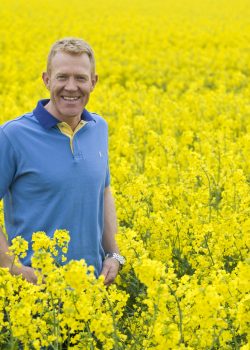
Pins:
x: 66, y: 130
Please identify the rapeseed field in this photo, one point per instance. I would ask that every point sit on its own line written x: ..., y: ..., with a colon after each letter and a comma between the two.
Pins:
x: 174, y: 88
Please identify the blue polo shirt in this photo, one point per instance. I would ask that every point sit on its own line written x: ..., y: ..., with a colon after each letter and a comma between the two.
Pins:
x: 46, y: 184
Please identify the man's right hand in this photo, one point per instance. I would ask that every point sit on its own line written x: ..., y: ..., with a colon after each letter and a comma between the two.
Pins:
x: 27, y: 272
x: 6, y: 260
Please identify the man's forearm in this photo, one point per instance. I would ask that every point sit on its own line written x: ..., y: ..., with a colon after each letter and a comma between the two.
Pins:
x: 110, y: 223
x: 110, y: 265
x: 5, y: 259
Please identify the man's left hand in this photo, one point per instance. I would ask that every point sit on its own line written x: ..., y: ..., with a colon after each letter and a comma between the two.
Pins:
x: 110, y: 270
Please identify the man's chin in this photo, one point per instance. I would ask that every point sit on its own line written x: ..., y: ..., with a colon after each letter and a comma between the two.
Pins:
x: 69, y: 113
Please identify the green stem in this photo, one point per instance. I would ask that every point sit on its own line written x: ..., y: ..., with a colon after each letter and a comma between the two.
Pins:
x: 9, y: 320
x: 210, y: 194
x: 117, y: 347
x: 55, y: 325
x: 153, y: 319
x: 209, y: 251
x: 180, y: 324
x: 91, y: 337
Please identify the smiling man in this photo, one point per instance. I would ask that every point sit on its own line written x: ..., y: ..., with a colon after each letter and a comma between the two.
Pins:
x: 54, y: 168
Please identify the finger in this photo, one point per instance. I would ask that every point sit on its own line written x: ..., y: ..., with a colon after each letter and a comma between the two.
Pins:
x: 109, y: 279
x: 29, y: 275
x: 110, y: 276
x: 31, y: 278
x: 105, y: 271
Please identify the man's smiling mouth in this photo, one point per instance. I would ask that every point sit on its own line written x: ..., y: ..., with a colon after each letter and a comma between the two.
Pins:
x: 70, y: 98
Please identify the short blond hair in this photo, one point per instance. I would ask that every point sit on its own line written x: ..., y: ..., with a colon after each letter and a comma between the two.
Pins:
x: 72, y: 46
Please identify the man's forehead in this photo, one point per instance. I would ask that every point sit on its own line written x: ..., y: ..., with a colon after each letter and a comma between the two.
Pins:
x: 65, y: 57
x: 64, y: 61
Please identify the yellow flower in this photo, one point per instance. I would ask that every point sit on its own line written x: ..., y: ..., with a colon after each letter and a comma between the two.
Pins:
x: 174, y: 89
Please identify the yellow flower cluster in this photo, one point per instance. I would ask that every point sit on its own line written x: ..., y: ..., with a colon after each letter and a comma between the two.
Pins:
x: 68, y: 305
x: 174, y: 87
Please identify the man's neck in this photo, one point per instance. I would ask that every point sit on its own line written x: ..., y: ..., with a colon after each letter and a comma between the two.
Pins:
x: 71, y: 121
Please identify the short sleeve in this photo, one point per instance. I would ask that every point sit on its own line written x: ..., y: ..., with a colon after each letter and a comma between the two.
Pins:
x: 107, y: 179
x: 7, y: 163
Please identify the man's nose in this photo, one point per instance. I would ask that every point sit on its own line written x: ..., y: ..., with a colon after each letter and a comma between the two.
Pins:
x: 71, y: 85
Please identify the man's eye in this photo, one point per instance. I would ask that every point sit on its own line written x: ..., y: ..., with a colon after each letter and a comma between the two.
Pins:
x: 82, y: 78
x: 61, y: 77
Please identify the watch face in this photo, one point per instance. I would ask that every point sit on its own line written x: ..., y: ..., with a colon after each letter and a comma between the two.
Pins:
x: 121, y: 260
x: 116, y: 256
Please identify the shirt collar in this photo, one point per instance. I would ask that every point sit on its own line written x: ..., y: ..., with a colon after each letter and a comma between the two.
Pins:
x: 47, y: 120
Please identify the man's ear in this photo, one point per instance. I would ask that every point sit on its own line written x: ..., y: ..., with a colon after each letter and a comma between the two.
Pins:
x: 46, y: 80
x: 94, y: 80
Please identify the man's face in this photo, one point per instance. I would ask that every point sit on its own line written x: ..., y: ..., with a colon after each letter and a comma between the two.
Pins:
x: 70, y: 83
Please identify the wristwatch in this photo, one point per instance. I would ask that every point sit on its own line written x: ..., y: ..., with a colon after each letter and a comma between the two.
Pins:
x: 116, y: 256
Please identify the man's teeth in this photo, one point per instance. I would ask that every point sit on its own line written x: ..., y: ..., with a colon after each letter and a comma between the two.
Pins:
x: 70, y: 98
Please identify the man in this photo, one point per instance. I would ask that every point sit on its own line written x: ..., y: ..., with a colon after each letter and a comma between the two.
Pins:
x: 54, y: 171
